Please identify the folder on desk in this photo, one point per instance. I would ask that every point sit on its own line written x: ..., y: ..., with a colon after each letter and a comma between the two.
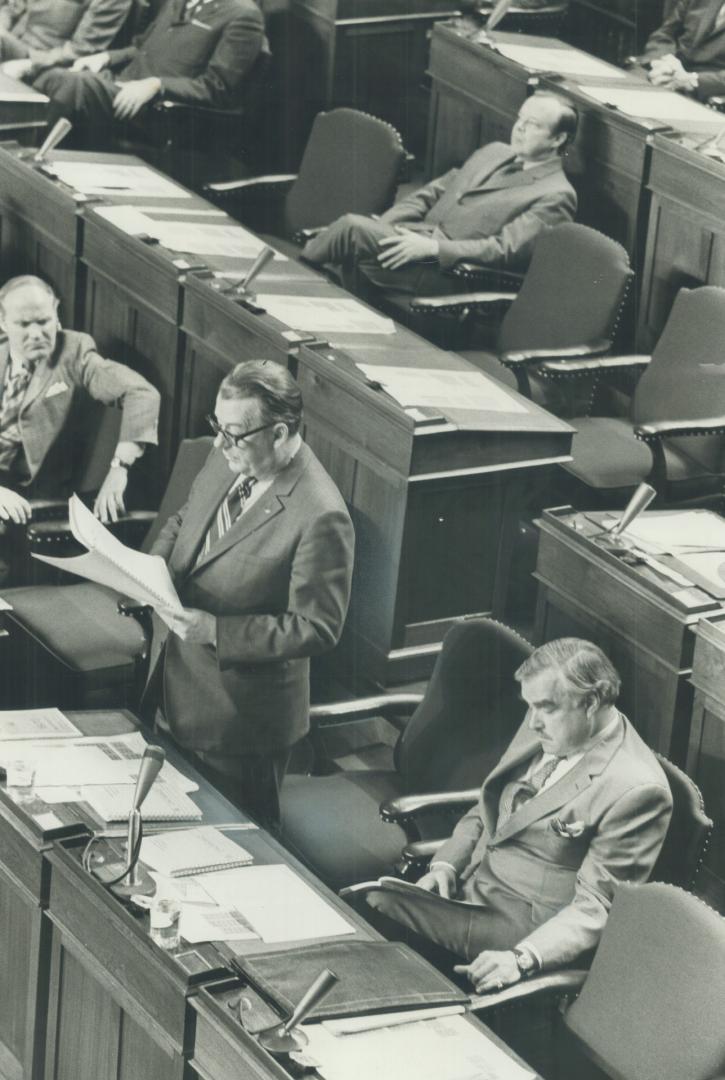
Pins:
x: 372, y: 976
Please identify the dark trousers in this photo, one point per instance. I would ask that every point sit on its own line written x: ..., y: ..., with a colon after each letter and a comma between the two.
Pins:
x: 250, y: 781
x: 86, y: 99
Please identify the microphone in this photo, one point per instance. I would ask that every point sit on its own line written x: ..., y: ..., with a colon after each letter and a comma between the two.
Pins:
x: 497, y: 14
x: 132, y: 880
x: 256, y: 268
x: 640, y: 500
x: 284, y: 1038
x: 55, y: 136
x: 151, y: 764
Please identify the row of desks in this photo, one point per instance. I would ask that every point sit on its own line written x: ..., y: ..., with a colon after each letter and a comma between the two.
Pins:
x: 84, y: 992
x: 402, y: 478
x: 642, y: 181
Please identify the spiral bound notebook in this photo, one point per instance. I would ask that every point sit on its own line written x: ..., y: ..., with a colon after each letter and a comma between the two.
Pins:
x: 165, y: 802
x: 192, y: 851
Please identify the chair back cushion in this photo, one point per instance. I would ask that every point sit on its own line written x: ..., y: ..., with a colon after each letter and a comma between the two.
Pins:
x: 470, y: 712
x: 190, y: 457
x: 688, y: 832
x: 572, y: 292
x: 676, y: 385
x: 350, y: 165
x: 653, y: 1004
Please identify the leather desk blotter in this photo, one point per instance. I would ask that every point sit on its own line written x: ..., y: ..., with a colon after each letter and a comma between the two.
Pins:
x: 374, y: 976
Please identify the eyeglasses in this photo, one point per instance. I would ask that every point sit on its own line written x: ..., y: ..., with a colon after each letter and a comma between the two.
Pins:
x: 229, y: 437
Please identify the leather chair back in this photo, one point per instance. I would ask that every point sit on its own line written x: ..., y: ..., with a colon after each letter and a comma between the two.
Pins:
x: 190, y: 457
x: 688, y: 834
x: 678, y: 380
x: 351, y: 164
x: 572, y: 293
x: 653, y: 1004
x: 470, y: 712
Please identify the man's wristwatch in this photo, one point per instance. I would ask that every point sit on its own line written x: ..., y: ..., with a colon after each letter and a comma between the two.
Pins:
x: 119, y: 463
x: 525, y: 962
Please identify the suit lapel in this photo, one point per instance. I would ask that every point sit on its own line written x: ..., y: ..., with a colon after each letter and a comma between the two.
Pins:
x: 4, y: 360
x: 500, y: 179
x: 706, y: 28
x: 38, y: 384
x: 514, y: 759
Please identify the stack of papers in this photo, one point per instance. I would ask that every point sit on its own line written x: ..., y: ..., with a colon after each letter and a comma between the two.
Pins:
x: 35, y: 724
x: 325, y: 314
x: 97, y: 178
x: 663, y: 105
x: 678, y: 532
x: 563, y: 61
x: 442, y: 389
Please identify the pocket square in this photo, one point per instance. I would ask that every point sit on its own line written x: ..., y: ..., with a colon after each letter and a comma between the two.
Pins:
x: 568, y: 829
x: 56, y: 388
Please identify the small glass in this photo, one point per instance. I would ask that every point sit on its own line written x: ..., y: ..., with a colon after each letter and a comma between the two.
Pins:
x: 164, y: 917
x: 19, y: 774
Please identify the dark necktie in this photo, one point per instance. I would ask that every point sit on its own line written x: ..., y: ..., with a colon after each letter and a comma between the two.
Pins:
x: 524, y: 790
x: 512, y: 166
x: 229, y: 510
x: 10, y: 438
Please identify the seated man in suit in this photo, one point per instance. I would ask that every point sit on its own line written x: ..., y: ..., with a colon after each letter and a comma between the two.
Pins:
x: 40, y: 34
x: 196, y: 51
x: 577, y: 804
x: 687, y: 53
x: 44, y: 370
x: 489, y: 211
x: 261, y: 555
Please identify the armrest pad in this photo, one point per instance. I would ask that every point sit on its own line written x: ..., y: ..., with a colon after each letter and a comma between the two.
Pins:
x: 405, y: 806
x: 495, y: 278
x: 472, y: 301
x: 49, y: 509
x: 418, y: 851
x: 536, y: 356
x: 51, y: 529
x: 230, y: 186
x: 605, y: 363
x: 340, y: 712
x: 567, y: 981
x: 659, y: 429
x: 168, y: 106
x: 717, y: 101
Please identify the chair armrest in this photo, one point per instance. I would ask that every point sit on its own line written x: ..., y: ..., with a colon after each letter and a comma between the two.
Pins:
x: 660, y: 429
x: 563, y: 368
x: 717, y: 101
x: 49, y: 509
x: 342, y: 712
x: 272, y: 182
x: 406, y: 806
x: 458, y: 303
x: 517, y: 357
x: 566, y: 981
x: 487, y: 275
x: 44, y: 533
x: 182, y: 107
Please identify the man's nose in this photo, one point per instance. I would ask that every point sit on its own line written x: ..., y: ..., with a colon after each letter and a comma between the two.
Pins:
x: 219, y: 440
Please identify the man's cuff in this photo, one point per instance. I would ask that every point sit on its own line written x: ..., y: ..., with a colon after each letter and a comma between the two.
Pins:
x: 526, y: 946
x: 443, y: 866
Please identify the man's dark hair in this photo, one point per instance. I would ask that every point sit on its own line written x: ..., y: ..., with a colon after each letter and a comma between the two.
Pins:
x: 279, y: 396
x: 568, y: 121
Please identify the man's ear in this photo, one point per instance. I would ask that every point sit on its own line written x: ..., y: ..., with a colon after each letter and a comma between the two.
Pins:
x: 280, y: 431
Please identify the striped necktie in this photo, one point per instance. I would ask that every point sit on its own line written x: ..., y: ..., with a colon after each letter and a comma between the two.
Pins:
x: 229, y: 510
x: 10, y: 438
x: 520, y: 792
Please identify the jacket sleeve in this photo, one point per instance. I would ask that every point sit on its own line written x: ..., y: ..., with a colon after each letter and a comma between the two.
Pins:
x: 319, y: 591
x: 95, y: 31
x: 238, y: 47
x: 512, y: 246
x: 115, y: 384
x: 417, y: 205
x: 664, y: 40
x: 624, y: 848
x: 710, y: 83
x: 459, y: 847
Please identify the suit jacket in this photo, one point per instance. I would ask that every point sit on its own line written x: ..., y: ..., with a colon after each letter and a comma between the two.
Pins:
x: 202, y: 60
x: 487, y: 218
x: 616, y: 803
x: 76, y: 369
x: 278, y: 583
x: 689, y: 32
x: 63, y: 30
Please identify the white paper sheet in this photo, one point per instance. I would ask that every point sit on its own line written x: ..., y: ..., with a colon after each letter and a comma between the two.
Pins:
x: 198, y: 238
x: 35, y: 724
x: 447, y: 1048
x: 127, y: 218
x: 664, y: 105
x: 213, y: 924
x: 278, y: 903
x: 325, y: 315
x: 97, y: 178
x: 112, y: 802
x: 563, y: 61
x: 192, y: 851
x: 437, y: 388
x: 679, y: 531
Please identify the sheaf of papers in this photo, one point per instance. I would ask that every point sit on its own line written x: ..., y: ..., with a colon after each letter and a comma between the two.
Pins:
x: 277, y: 903
x: 440, y: 389
x: 325, y: 315
x: 127, y: 218
x: 662, y: 105
x: 446, y: 1048
x: 145, y: 578
x: 96, y: 178
x: 213, y: 924
x: 199, y: 238
x: 680, y: 531
x: 192, y: 851
x: 563, y: 61
x: 36, y: 724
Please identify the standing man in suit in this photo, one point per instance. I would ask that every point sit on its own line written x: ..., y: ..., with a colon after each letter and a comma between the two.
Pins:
x: 262, y: 556
x: 687, y: 53
x: 44, y: 371
x: 196, y: 51
x: 577, y: 804
x: 40, y: 34
x: 489, y: 211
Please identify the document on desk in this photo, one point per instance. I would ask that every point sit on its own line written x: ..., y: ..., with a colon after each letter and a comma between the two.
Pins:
x: 277, y: 903
x: 35, y: 724
x: 563, y: 61
x: 325, y: 314
x: 188, y: 852
x: 442, y: 389
x: 664, y: 105
x: 678, y: 531
x: 165, y: 802
x: 145, y: 578
x: 100, y: 178
x: 445, y: 1048
x: 200, y: 238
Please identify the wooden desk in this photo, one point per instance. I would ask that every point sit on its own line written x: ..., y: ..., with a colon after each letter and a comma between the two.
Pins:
x: 686, y: 234
x: 706, y: 750
x: 23, y: 111
x: 643, y: 622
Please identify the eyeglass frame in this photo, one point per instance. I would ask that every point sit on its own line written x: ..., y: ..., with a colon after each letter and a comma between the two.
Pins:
x: 234, y: 440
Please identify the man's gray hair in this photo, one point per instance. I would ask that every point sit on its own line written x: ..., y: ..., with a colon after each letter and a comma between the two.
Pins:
x: 19, y: 283
x: 582, y: 665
